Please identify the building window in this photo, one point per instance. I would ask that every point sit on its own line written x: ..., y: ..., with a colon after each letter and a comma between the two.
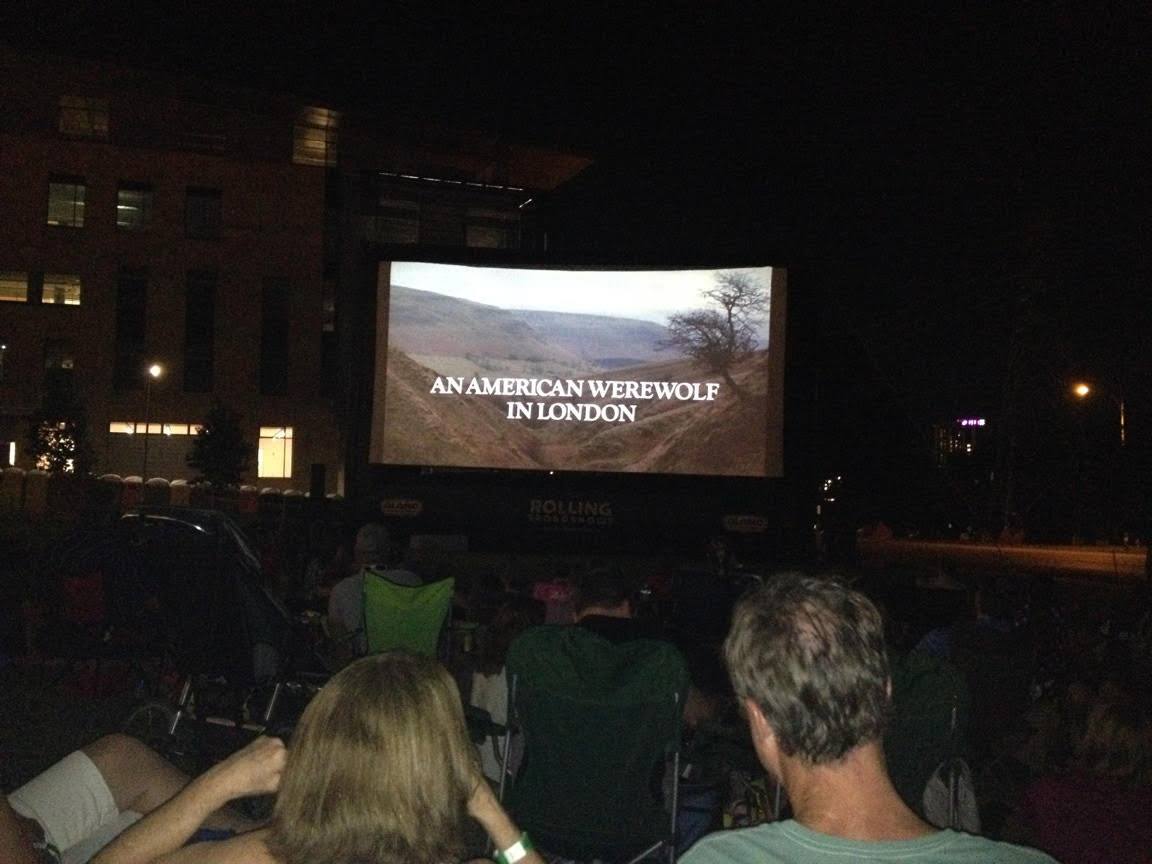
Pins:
x: 58, y: 356
x: 66, y: 202
x: 137, y: 427
x: 274, y: 458
x: 133, y: 206
x: 274, y: 336
x: 84, y: 116
x: 13, y: 287
x: 203, y: 213
x: 396, y: 220
x: 61, y: 288
x: 315, y: 137
x: 131, y: 312
x: 199, y: 330
x: 490, y: 228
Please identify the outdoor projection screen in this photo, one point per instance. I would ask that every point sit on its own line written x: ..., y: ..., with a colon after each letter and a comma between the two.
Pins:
x: 642, y: 371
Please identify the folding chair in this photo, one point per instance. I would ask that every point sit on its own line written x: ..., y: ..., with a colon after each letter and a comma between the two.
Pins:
x: 925, y: 735
x: 402, y: 616
x: 601, y: 730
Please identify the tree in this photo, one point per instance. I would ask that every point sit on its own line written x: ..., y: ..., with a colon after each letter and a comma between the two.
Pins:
x: 220, y: 452
x: 58, y: 437
x: 719, y: 337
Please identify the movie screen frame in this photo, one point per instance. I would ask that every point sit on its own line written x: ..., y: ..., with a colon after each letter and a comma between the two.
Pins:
x: 522, y: 369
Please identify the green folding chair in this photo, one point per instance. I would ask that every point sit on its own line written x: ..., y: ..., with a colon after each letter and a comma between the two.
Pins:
x: 601, y: 728
x: 404, y: 617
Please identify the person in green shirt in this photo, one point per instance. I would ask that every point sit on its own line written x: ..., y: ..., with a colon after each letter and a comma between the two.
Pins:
x: 808, y: 663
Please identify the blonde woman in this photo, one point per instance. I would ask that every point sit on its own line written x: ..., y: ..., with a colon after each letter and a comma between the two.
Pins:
x: 380, y: 771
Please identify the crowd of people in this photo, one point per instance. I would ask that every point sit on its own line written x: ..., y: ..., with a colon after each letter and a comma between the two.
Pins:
x: 853, y: 698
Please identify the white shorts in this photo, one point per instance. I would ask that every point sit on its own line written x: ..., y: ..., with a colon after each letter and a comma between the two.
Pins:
x: 73, y: 803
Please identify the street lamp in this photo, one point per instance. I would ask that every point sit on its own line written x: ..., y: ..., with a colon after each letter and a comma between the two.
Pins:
x: 155, y: 371
x: 1082, y: 390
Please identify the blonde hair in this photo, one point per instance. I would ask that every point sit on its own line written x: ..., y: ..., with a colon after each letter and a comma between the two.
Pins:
x: 379, y: 770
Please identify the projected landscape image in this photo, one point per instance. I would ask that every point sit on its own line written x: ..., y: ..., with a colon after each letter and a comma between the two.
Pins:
x: 642, y: 371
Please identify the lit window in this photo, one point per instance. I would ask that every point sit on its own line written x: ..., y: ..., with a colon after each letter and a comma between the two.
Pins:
x: 66, y: 202
x: 13, y: 287
x: 133, y: 206
x: 128, y: 427
x: 203, y: 213
x: 83, y: 116
x: 62, y: 288
x: 315, y: 137
x: 274, y: 458
x: 11, y: 452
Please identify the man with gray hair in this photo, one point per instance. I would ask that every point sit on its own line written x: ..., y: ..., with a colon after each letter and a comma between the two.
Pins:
x: 808, y: 663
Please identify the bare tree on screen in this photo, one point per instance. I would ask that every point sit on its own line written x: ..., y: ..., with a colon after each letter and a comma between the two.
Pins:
x: 720, y: 336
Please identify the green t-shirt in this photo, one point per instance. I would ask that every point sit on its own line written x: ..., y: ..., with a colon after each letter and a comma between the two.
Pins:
x: 790, y: 842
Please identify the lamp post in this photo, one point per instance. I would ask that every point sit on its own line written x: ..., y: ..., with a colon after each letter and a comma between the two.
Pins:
x: 154, y: 373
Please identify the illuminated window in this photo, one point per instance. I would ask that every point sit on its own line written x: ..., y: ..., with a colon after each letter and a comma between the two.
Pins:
x: 129, y: 427
x: 13, y: 287
x: 66, y: 202
x: 316, y: 136
x: 133, y: 206
x: 274, y: 458
x: 11, y: 452
x: 203, y: 213
x: 83, y: 116
x: 62, y: 288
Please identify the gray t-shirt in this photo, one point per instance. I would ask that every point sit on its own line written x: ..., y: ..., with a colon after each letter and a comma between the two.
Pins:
x: 789, y: 842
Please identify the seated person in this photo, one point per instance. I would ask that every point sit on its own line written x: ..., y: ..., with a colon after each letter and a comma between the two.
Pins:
x: 809, y: 665
x: 1098, y: 809
x: 79, y: 804
x: 488, y: 689
x: 372, y: 551
x: 602, y: 603
x: 380, y: 770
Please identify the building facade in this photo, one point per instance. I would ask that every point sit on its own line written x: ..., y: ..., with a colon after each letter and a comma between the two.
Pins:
x: 217, y: 236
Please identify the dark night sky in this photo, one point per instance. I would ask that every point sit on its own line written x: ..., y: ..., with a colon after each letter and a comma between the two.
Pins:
x: 952, y: 187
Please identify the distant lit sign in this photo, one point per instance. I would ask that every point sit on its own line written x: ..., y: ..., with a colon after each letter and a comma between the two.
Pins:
x: 972, y: 421
x: 407, y: 507
x: 744, y: 523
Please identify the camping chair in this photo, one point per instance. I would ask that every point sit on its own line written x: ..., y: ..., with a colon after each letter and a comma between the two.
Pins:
x: 403, y: 616
x: 601, y: 725
x: 924, y: 742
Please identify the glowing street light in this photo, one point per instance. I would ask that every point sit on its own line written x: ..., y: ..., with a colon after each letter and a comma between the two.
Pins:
x: 155, y: 371
x: 1081, y: 389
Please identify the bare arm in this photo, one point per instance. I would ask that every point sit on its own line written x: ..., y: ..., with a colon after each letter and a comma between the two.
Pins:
x: 485, y: 809
x: 16, y: 836
x: 159, y: 836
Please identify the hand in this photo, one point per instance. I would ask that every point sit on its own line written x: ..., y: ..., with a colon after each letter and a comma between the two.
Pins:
x: 255, y: 770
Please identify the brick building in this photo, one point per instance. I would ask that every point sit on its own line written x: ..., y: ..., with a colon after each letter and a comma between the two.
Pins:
x: 227, y: 236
